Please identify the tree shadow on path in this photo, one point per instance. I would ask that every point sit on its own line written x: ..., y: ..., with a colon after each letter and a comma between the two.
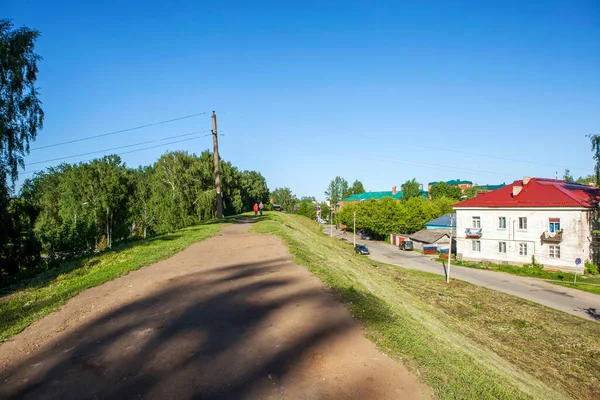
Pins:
x: 213, y: 334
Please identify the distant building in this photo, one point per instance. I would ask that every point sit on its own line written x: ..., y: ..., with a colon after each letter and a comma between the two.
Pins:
x: 462, y: 184
x: 394, y: 194
x: 551, y: 220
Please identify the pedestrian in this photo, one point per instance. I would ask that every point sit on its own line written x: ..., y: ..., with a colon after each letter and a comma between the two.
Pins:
x: 255, y: 209
x: 260, y: 207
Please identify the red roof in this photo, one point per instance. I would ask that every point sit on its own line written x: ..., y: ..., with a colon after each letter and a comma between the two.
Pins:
x: 538, y: 192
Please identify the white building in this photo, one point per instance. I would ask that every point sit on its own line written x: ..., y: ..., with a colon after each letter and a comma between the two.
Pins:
x: 545, y: 218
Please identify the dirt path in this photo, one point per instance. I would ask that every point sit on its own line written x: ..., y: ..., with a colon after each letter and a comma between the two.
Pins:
x: 228, y: 318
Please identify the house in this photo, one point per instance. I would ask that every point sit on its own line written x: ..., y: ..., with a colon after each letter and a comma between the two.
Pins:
x: 442, y: 222
x: 394, y: 194
x: 548, y: 219
x: 462, y: 184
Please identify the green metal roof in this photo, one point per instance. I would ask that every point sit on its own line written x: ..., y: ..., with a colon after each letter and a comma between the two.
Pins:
x: 378, y: 196
x: 454, y: 182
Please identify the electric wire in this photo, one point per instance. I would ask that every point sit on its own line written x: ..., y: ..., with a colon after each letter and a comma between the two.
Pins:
x: 116, y: 148
x: 363, y: 136
x: 116, y: 132
x: 126, y: 152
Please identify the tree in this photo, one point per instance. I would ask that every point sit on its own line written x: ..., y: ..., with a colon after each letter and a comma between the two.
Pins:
x: 586, y: 180
x: 307, y: 208
x: 411, y: 189
x: 21, y: 114
x: 567, y: 176
x: 595, y: 142
x: 336, y: 189
x: 472, y: 192
x: 356, y: 188
x: 442, y: 189
x: 285, y: 198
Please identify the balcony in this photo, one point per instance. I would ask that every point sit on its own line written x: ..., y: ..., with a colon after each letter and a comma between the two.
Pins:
x: 552, y: 237
x: 473, y: 233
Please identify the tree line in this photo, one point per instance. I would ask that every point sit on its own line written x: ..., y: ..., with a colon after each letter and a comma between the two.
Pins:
x: 77, y: 208
x: 385, y: 216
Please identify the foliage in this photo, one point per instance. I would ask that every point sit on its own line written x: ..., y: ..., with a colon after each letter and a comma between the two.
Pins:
x: 586, y: 180
x: 88, y: 207
x: 37, y: 297
x: 356, y: 188
x: 21, y: 113
x: 595, y: 142
x: 567, y: 176
x: 307, y: 208
x: 285, y: 198
x: 442, y: 189
x: 411, y: 189
x: 385, y: 216
x: 21, y: 116
x: 472, y: 192
x: 336, y: 190
x: 591, y: 267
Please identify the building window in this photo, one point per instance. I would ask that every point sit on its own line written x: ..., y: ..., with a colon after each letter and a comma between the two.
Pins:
x: 502, y: 247
x: 476, y: 222
x: 554, y: 225
x: 476, y: 245
x: 554, y: 251
x: 523, y: 223
x: 522, y: 249
x: 502, y: 222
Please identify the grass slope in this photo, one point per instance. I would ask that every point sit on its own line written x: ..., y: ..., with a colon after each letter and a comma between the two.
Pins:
x: 23, y: 304
x: 468, y: 342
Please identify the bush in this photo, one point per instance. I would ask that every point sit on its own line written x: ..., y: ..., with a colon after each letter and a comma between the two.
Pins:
x: 591, y: 268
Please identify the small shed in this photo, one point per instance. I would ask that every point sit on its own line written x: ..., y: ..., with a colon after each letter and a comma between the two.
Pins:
x: 429, y: 237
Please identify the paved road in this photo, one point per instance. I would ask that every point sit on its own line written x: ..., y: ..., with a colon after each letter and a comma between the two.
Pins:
x: 576, y: 302
x: 231, y: 317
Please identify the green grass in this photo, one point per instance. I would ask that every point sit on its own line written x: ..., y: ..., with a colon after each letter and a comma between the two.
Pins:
x: 555, y: 277
x: 467, y: 342
x: 579, y: 286
x: 25, y: 303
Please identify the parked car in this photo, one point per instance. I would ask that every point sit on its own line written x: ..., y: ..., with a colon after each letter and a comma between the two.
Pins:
x: 365, y: 236
x: 322, y: 221
x: 406, y: 245
x: 361, y: 249
x: 276, y: 207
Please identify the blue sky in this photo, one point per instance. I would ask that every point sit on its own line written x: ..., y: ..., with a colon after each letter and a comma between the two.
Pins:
x: 376, y: 91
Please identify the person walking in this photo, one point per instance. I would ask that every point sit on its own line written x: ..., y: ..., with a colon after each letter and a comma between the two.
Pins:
x: 255, y: 209
x: 260, y: 207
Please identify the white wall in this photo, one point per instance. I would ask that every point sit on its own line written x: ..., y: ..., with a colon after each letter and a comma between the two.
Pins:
x: 573, y: 221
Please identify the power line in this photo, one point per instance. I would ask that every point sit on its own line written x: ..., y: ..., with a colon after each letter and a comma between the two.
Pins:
x: 117, y: 148
x: 418, y: 164
x: 116, y: 132
x: 312, y: 128
x: 127, y: 152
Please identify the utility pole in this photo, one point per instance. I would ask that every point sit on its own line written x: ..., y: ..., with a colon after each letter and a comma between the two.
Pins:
x: 449, y: 252
x: 354, y: 230
x: 331, y: 222
x: 217, y: 172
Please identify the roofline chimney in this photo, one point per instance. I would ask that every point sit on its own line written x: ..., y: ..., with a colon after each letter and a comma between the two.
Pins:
x: 516, y: 190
